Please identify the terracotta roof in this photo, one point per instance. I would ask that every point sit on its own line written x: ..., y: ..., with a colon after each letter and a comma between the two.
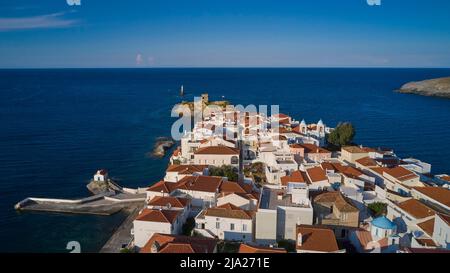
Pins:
x: 427, y: 226
x: 426, y: 250
x: 229, y: 211
x: 336, y: 197
x: 162, y: 186
x: 445, y: 218
x: 416, y: 208
x: 365, y: 239
x: 436, y: 193
x: 235, y: 187
x: 354, y: 149
x: 175, y: 202
x: 401, y: 173
x: 316, y: 238
x: 186, y: 169
x: 379, y: 170
x: 426, y: 242
x: 316, y: 174
x: 367, y: 162
x: 314, y: 149
x: 348, y: 171
x: 296, y: 177
x: 199, y: 183
x: 179, y: 244
x: 217, y: 150
x: 244, y: 248
x: 155, y: 215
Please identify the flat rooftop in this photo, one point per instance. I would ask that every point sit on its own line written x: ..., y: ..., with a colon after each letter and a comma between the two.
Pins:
x: 269, y: 199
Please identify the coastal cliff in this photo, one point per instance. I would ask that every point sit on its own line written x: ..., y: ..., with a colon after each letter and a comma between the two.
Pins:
x: 435, y: 87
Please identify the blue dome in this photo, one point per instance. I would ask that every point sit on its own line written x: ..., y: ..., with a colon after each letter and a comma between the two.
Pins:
x: 383, y: 222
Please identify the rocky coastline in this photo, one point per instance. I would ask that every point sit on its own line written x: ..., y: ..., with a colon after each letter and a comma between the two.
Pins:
x: 434, y: 87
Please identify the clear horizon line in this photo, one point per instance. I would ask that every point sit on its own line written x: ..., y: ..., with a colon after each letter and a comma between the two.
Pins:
x: 231, y: 67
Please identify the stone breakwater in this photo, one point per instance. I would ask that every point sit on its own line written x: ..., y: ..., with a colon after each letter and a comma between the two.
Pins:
x: 435, y: 87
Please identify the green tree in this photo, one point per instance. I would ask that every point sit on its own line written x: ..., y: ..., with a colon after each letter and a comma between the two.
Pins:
x: 188, y: 226
x: 342, y: 135
x: 225, y: 171
x: 377, y: 209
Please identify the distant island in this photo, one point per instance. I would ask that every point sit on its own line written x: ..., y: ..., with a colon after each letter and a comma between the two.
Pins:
x: 435, y: 87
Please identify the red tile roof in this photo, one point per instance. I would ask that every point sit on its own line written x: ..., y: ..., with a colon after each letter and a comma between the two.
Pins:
x: 367, y: 162
x: 235, y: 187
x: 313, y: 149
x: 416, y: 208
x: 217, y: 150
x: 162, y: 186
x: 244, y: 248
x: 186, y: 169
x: 316, y: 174
x: 229, y: 211
x: 179, y: 244
x: 155, y: 215
x: 200, y: 183
x: 439, y: 194
x: 296, y: 177
x: 427, y: 226
x: 316, y: 238
x: 175, y: 202
x: 401, y: 173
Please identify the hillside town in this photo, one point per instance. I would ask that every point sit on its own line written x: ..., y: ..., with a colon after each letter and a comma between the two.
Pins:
x: 237, y: 183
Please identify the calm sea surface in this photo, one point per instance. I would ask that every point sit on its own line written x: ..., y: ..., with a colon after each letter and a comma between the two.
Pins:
x: 59, y: 126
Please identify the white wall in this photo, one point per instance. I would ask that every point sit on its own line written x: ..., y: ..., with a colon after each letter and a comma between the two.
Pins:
x: 224, y: 231
x: 143, y: 231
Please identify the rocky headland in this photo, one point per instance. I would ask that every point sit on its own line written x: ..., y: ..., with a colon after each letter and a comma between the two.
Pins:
x: 162, y: 144
x: 435, y: 87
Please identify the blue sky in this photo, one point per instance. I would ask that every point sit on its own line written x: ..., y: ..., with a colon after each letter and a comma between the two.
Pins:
x: 224, y: 33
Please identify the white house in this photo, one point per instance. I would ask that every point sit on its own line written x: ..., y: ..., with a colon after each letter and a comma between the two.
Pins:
x: 151, y: 221
x: 171, y: 203
x: 318, y: 178
x: 227, y: 222
x: 280, y: 210
x: 174, y: 173
x: 435, y: 196
x: 217, y: 156
x: 238, y: 194
x: 407, y: 214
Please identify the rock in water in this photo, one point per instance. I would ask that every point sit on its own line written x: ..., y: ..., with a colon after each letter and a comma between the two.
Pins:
x: 435, y: 87
x: 161, y: 146
x: 97, y: 187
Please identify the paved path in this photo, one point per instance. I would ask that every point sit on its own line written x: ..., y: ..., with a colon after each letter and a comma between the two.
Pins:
x: 122, y: 235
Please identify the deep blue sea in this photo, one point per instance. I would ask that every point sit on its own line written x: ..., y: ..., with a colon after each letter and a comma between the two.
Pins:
x: 59, y: 126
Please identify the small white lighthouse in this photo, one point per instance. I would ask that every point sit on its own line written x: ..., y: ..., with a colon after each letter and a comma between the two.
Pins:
x: 101, y: 175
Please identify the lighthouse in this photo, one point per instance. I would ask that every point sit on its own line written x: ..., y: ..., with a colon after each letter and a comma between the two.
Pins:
x: 181, y: 91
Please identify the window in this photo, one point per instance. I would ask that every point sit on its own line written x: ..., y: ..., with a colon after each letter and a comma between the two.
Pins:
x: 231, y: 226
x: 244, y: 227
x: 217, y: 225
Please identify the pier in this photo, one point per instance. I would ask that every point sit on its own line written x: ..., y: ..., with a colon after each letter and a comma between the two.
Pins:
x: 100, y: 204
